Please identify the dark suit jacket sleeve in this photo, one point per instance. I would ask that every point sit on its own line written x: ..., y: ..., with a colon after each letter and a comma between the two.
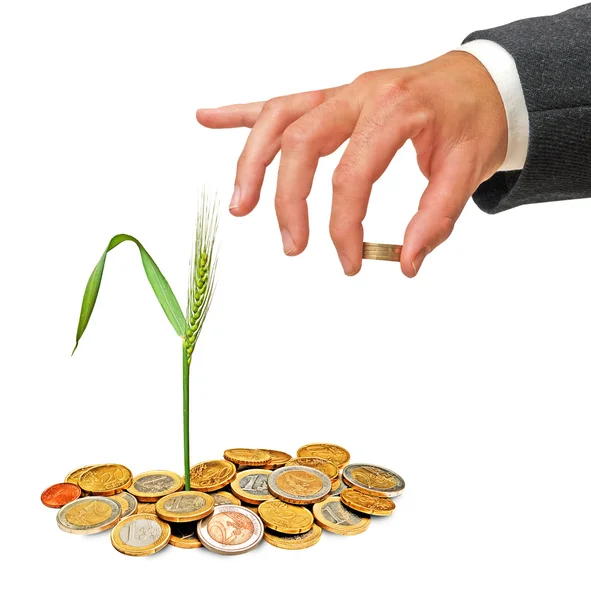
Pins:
x: 553, y: 58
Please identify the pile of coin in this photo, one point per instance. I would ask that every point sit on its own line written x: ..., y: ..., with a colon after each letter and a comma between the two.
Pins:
x: 233, y: 503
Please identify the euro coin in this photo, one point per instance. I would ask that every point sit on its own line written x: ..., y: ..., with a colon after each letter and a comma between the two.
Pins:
x: 89, y: 515
x: 251, y: 486
x: 153, y: 485
x: 184, y: 535
x: 339, y: 456
x: 59, y: 494
x: 183, y: 507
x: 366, y: 504
x: 278, y: 459
x: 247, y: 457
x: 337, y: 487
x: 373, y: 480
x: 212, y: 475
x: 285, y: 518
x: 299, y: 485
x: 140, y: 535
x: 222, y: 497
x: 335, y: 517
x: 146, y: 508
x: 389, y: 252
x: 74, y: 476
x: 230, y: 530
x: 105, y: 480
x: 326, y: 466
x: 128, y: 503
x: 293, y: 542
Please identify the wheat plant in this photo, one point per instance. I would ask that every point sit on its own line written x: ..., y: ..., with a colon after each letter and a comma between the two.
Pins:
x: 201, y: 288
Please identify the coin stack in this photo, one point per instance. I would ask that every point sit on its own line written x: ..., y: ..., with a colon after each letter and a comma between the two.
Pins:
x: 234, y: 503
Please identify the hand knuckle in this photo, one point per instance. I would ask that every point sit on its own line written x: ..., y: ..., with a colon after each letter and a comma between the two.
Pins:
x: 273, y: 107
x: 295, y: 135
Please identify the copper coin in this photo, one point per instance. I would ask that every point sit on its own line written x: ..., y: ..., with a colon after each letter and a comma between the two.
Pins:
x: 60, y: 494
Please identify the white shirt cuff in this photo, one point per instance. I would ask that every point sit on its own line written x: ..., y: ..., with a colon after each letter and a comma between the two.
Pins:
x: 503, y: 70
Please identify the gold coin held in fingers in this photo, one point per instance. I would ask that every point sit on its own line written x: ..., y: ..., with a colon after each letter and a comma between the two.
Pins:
x: 366, y: 504
x: 389, y: 252
x: 285, y: 518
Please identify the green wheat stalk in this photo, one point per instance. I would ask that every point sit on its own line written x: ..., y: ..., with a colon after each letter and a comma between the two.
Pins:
x: 201, y: 289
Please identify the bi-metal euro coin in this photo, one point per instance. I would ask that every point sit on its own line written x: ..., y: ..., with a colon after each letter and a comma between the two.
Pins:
x: 105, y: 480
x: 184, y: 507
x: 153, y: 485
x: 293, y: 542
x: 373, y: 480
x: 212, y: 475
x: 366, y: 504
x: 285, y: 518
x: 89, y: 515
x: 299, y: 485
x: 335, y: 517
x: 140, y: 535
x: 251, y: 486
x: 230, y: 530
x: 336, y: 454
x: 128, y: 503
x: 337, y: 487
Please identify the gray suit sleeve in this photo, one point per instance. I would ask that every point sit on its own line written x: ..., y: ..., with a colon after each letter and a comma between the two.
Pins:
x: 553, y: 58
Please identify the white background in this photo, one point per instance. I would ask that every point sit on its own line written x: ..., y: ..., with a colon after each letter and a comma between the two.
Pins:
x: 471, y: 381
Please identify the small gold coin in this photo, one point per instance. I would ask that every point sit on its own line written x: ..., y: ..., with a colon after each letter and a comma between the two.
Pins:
x: 127, y: 502
x: 220, y: 498
x: 335, y: 517
x: 322, y: 464
x: 247, y: 457
x: 105, y: 480
x: 146, y: 508
x: 212, y: 475
x: 285, y: 518
x: 389, y: 252
x: 251, y: 486
x: 153, y: 485
x: 278, y: 459
x: 294, y: 542
x: 339, y: 456
x: 184, y: 507
x: 74, y: 476
x: 140, y: 535
x: 184, y: 535
x: 366, y: 504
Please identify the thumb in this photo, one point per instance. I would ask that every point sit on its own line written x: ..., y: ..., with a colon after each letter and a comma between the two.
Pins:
x: 441, y: 204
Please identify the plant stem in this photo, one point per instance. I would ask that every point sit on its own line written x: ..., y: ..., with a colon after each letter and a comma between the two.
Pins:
x: 186, y: 417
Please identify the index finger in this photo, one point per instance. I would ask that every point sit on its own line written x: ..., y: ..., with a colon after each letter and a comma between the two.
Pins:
x: 233, y: 115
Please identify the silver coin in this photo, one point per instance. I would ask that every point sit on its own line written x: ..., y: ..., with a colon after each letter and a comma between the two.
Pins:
x: 230, y: 529
x: 299, y: 485
x: 341, y: 487
x: 377, y: 481
x: 89, y: 515
x: 132, y: 504
x: 154, y: 483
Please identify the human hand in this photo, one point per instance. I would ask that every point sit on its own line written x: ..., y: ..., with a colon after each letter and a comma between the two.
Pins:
x: 449, y: 108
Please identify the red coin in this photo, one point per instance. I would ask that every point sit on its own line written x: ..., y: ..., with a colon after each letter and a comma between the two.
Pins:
x: 60, y: 494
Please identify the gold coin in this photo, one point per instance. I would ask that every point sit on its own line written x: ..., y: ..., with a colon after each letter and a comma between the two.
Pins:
x: 339, y: 456
x: 127, y: 502
x: 184, y: 535
x: 247, y: 457
x: 212, y: 475
x: 322, y: 464
x: 335, y: 517
x: 285, y: 518
x: 251, y: 486
x: 278, y: 459
x: 140, y: 535
x: 183, y: 507
x: 89, y: 515
x: 220, y: 498
x: 146, y: 508
x: 366, y: 504
x: 105, y: 480
x: 389, y: 252
x: 74, y: 476
x: 294, y: 542
x: 153, y: 485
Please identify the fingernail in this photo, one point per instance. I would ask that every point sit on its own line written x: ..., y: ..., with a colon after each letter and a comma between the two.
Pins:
x: 235, y: 198
x: 346, y: 264
x: 288, y: 245
x: 418, y: 261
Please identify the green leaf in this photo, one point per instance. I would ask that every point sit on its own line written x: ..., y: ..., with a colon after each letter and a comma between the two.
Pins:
x: 158, y: 282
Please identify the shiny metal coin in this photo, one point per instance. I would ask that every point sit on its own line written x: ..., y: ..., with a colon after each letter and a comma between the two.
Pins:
x: 337, y: 489
x: 128, y: 503
x: 251, y: 486
x: 335, y: 517
x: 230, y: 529
x: 89, y: 515
x: 140, y: 535
x: 299, y: 485
x: 373, y: 480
